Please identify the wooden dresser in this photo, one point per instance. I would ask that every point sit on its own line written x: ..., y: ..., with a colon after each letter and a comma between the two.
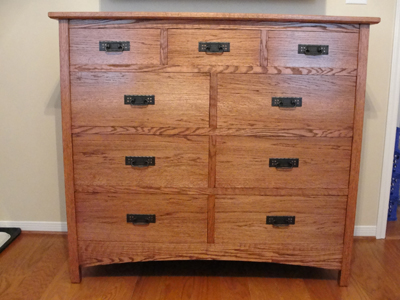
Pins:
x: 212, y: 136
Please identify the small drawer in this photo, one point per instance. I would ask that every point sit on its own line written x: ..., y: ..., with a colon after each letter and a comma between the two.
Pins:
x: 244, y: 47
x: 100, y: 99
x: 310, y: 102
x: 283, y: 49
x: 178, y: 161
x: 246, y: 162
x: 243, y: 220
x: 177, y: 218
x: 144, y: 46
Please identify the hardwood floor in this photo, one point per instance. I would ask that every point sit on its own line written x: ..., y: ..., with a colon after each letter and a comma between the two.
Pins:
x: 35, y: 267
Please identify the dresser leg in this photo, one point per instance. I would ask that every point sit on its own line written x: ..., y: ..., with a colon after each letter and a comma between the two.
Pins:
x: 75, y: 273
x: 344, y: 277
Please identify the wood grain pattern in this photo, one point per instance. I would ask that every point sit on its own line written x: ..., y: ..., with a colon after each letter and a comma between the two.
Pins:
x: 213, y: 16
x: 244, y: 162
x: 221, y: 24
x: 244, y: 47
x: 67, y: 150
x: 98, y: 253
x: 271, y: 132
x: 213, y: 99
x: 243, y: 219
x: 211, y: 219
x: 245, y: 101
x: 355, y: 154
x: 180, y: 161
x: 164, y: 47
x: 283, y: 49
x: 98, y: 99
x: 215, y: 69
x: 179, y: 219
x: 144, y: 46
x: 212, y: 155
x: 211, y: 191
x: 263, y: 48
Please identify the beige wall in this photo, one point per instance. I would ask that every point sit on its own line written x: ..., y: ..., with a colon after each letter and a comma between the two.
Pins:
x: 31, y: 174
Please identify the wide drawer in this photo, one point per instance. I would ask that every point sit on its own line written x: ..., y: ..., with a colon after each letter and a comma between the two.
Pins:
x: 180, y: 100
x: 179, y: 161
x: 244, y: 162
x: 178, y: 219
x: 246, y: 101
x: 144, y: 46
x: 318, y: 220
x: 283, y: 49
x: 183, y: 47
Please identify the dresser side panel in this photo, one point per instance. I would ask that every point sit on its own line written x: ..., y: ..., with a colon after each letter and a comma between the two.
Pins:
x: 67, y: 151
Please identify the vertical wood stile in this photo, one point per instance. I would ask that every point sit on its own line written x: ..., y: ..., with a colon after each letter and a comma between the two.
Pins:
x: 212, y: 157
x: 67, y: 153
x: 211, y: 219
x: 355, y: 154
x: 263, y: 48
x: 164, y: 47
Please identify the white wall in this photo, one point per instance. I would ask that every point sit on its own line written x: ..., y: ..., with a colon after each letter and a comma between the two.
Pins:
x: 31, y: 174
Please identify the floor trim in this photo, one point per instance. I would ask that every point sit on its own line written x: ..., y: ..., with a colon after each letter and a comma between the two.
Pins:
x: 36, y: 226
x: 62, y: 227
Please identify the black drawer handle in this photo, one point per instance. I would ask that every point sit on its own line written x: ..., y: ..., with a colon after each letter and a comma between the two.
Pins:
x: 112, y: 46
x: 140, y: 161
x: 281, y: 221
x: 313, y: 49
x: 140, y: 219
x: 139, y: 100
x: 210, y: 47
x: 287, y: 102
x: 284, y: 163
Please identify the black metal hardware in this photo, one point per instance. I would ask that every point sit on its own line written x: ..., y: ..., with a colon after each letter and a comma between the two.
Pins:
x: 140, y: 161
x: 287, y: 101
x: 139, y: 100
x: 314, y: 49
x: 113, y: 46
x: 284, y: 163
x: 140, y: 219
x: 209, y: 47
x: 281, y: 221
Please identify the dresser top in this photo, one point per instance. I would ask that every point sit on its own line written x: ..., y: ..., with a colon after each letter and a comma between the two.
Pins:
x: 215, y: 16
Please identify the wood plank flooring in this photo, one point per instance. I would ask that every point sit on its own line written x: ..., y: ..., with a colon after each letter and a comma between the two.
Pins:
x: 35, y: 267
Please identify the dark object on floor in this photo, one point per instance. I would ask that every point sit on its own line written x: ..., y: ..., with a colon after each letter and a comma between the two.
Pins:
x: 13, y: 232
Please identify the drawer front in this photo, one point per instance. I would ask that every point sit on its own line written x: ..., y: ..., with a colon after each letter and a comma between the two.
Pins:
x: 183, y: 47
x: 179, y: 161
x: 180, y: 100
x: 283, y: 49
x: 144, y: 46
x: 244, y: 162
x: 178, y: 219
x: 245, y: 101
x: 242, y: 219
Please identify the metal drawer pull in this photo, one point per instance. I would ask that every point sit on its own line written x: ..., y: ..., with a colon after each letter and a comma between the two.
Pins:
x: 139, y: 100
x: 112, y: 46
x: 284, y: 163
x: 209, y: 47
x: 140, y: 161
x: 281, y: 221
x: 313, y: 49
x: 140, y: 219
x: 287, y: 102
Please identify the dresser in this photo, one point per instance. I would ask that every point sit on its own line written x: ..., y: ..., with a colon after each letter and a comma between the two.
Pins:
x: 194, y: 136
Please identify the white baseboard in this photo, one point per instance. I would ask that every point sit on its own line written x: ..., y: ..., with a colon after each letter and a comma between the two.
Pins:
x: 36, y: 226
x: 62, y: 227
x: 365, y: 231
